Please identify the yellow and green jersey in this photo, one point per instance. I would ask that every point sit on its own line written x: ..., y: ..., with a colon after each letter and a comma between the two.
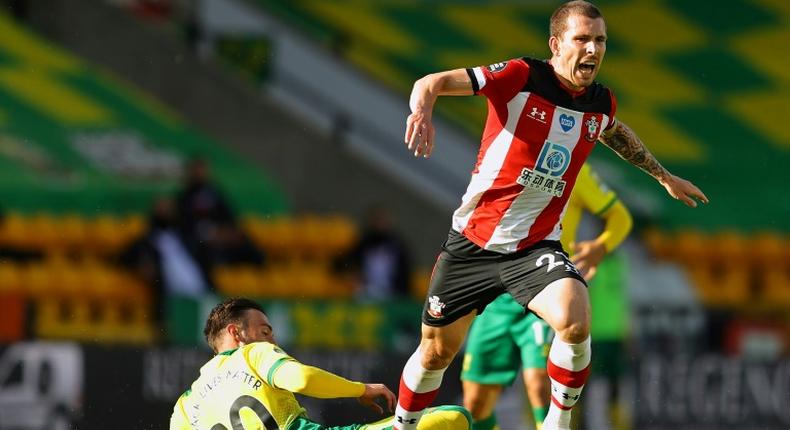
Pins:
x: 235, y: 388
x: 589, y: 194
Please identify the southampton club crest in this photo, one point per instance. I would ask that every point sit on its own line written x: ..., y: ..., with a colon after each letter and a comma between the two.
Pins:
x: 435, y: 307
x: 592, y: 129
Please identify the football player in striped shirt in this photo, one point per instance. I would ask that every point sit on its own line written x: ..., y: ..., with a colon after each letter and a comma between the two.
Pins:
x: 250, y: 383
x: 505, y: 340
x: 544, y: 117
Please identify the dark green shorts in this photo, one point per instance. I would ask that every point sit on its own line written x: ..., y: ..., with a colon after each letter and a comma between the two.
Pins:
x: 467, y: 277
x: 504, y: 340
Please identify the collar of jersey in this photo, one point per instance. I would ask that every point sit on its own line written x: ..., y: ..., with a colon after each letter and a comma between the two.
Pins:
x: 228, y: 352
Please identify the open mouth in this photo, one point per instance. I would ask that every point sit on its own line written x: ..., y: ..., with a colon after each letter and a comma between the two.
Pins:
x: 587, y: 67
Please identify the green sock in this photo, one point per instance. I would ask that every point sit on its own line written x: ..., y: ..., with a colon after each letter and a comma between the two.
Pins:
x: 485, y: 424
x: 540, y: 413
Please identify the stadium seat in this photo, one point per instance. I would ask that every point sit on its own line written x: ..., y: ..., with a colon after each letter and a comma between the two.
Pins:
x: 12, y: 317
x: 691, y: 247
x: 10, y: 277
x: 727, y: 247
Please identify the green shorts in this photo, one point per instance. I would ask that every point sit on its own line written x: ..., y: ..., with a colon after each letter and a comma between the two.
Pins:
x: 446, y: 417
x: 503, y: 340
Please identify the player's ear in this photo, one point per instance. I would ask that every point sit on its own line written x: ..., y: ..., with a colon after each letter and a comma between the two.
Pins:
x: 554, y: 46
x: 233, y: 331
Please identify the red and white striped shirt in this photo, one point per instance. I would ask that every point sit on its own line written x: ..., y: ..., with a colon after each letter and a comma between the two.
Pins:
x: 537, y: 136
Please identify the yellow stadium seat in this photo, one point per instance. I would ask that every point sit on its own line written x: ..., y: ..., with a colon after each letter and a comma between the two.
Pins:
x: 37, y: 280
x: 14, y: 231
x: 340, y: 234
x: 775, y: 291
x: 658, y: 243
x: 105, y: 234
x: 43, y: 232
x: 691, y: 247
x: 73, y: 232
x: 728, y: 247
x: 769, y: 249
x: 10, y: 277
x: 418, y: 283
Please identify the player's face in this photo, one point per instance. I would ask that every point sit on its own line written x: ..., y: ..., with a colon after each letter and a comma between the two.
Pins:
x: 577, y: 56
x: 256, y: 328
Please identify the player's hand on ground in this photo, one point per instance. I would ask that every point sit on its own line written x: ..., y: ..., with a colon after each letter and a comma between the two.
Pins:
x: 372, y: 393
x: 683, y: 190
x: 587, y: 255
x: 419, y: 134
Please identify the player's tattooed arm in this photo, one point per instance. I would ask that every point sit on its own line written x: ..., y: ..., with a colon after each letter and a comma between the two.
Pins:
x: 622, y: 140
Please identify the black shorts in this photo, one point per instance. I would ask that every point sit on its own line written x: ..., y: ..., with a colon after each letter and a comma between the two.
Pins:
x: 467, y: 277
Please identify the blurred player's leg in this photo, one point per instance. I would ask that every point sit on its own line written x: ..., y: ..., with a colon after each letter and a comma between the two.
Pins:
x: 480, y: 400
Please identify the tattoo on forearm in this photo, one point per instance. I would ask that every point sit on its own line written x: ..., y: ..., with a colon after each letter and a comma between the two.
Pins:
x: 622, y: 140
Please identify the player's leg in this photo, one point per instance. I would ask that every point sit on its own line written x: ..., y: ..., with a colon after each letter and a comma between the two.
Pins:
x: 463, y: 282
x: 536, y: 383
x: 491, y: 360
x: 543, y: 279
x: 565, y: 306
x: 480, y: 400
x: 422, y: 375
x: 534, y: 336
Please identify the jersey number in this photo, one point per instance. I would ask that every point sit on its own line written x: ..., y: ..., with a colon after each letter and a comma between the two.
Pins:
x: 549, y: 258
x: 256, y: 406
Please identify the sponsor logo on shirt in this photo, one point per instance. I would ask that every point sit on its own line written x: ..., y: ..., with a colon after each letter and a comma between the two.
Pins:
x: 541, y: 182
x: 538, y: 115
x: 497, y: 67
x: 567, y: 122
x: 553, y: 160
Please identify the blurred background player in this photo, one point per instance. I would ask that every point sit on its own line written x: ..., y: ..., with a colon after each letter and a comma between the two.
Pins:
x: 251, y: 382
x: 504, y: 339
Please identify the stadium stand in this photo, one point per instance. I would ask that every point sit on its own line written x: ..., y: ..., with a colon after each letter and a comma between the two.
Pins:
x: 696, y: 87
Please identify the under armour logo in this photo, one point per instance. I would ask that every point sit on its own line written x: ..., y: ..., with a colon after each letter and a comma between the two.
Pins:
x: 538, y: 115
x: 409, y: 421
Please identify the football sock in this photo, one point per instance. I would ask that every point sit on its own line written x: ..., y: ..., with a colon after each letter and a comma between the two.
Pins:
x: 539, y: 413
x: 568, y: 368
x: 418, y: 388
x: 485, y: 424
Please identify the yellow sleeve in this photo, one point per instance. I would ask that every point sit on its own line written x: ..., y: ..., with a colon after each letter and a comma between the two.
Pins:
x: 314, y: 382
x: 618, y: 225
x: 602, y: 202
x: 280, y: 370
x: 178, y: 421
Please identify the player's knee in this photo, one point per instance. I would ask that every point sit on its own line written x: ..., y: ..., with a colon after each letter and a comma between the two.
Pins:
x: 438, y: 356
x: 573, y: 330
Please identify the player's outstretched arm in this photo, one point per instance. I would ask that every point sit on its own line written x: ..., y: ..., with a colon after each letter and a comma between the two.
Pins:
x: 311, y: 381
x: 419, y: 128
x: 622, y: 140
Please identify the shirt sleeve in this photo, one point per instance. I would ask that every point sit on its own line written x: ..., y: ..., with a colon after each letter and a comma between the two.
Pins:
x: 612, y: 112
x: 280, y: 370
x: 314, y: 382
x: 602, y: 202
x: 178, y: 420
x: 500, y: 82
x: 595, y: 196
